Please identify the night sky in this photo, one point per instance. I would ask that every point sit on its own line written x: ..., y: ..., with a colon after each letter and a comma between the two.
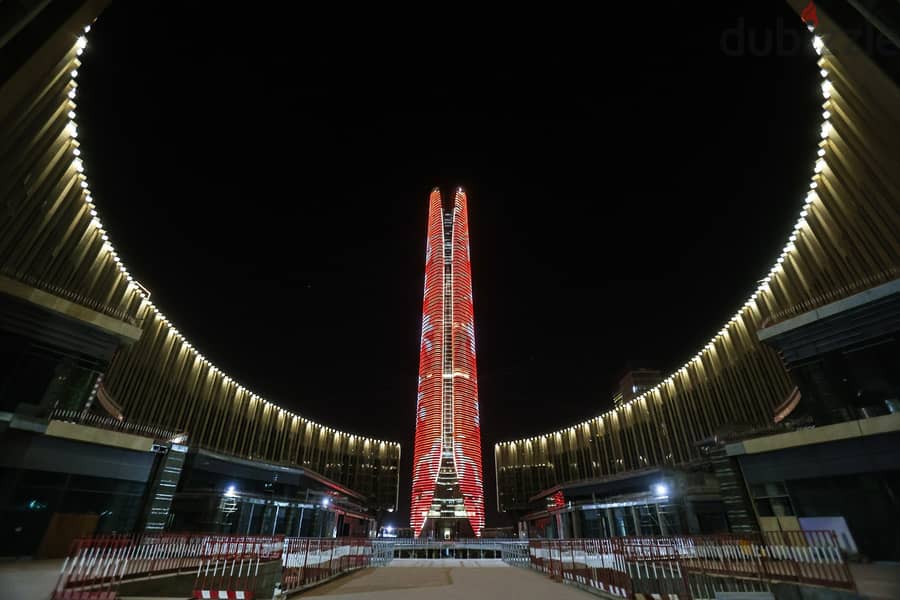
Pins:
x: 265, y: 174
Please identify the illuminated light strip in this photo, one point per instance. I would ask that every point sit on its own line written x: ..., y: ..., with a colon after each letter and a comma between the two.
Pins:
x: 71, y: 129
x: 462, y: 374
x: 746, y: 310
x: 429, y: 426
x: 466, y: 413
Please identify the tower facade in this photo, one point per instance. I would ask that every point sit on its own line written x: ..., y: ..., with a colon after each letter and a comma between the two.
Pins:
x: 447, y: 488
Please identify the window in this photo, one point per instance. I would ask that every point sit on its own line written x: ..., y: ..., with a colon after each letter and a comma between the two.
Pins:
x: 772, y: 499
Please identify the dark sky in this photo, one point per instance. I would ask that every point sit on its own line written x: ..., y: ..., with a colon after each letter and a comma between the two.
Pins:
x: 631, y: 173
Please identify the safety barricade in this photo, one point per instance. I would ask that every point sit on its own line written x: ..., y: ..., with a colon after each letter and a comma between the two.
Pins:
x: 554, y: 563
x: 515, y: 553
x: 737, y: 556
x: 310, y: 560
x: 96, y: 566
x: 638, y: 549
x: 229, y: 565
x: 601, y: 566
x: 538, y: 554
x: 808, y: 556
x: 594, y: 563
x: 811, y: 557
x: 630, y: 566
x: 91, y: 571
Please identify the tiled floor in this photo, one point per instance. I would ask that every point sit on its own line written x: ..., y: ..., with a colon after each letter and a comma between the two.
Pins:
x: 877, y: 581
x: 447, y: 579
x: 29, y: 579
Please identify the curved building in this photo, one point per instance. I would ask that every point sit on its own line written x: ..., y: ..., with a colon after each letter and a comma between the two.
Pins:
x: 447, y: 489
x: 843, y: 245
x: 95, y: 353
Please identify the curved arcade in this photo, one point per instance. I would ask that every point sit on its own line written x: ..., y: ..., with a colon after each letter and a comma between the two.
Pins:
x: 843, y: 242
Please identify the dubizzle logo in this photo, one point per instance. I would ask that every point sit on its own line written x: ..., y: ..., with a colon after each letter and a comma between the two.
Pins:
x: 808, y: 14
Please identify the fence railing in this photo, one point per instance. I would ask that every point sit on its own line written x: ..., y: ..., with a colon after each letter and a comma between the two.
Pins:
x: 382, y: 552
x: 210, y: 564
x: 307, y: 561
x: 387, y: 549
x: 438, y: 543
x: 832, y: 295
x: 595, y: 563
x: 230, y: 565
x: 97, y: 566
x: 112, y: 424
x: 690, y: 566
x: 515, y: 552
x: 68, y: 294
x: 681, y: 566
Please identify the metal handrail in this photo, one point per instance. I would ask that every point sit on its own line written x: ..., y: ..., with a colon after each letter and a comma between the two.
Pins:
x: 113, y: 424
x: 832, y: 295
x: 68, y: 294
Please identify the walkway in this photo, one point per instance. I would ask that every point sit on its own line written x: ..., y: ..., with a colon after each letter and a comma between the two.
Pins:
x: 427, y: 579
x: 447, y: 579
x: 28, y: 579
x: 877, y: 581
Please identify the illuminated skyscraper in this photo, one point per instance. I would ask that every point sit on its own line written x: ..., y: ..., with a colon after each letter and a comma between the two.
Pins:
x: 447, y: 489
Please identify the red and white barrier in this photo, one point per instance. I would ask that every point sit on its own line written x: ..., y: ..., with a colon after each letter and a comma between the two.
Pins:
x: 812, y: 557
x: 624, y: 566
x: 229, y: 565
x: 96, y: 566
x: 309, y: 560
x: 223, y: 594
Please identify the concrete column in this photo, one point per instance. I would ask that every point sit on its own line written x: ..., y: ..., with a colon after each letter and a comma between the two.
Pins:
x: 663, y: 526
x: 692, y: 523
x: 610, y: 522
x: 249, y: 519
x: 576, y: 523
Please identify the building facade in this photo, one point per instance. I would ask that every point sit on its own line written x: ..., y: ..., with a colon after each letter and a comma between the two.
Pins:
x: 447, y: 488
x: 739, y: 386
x: 634, y: 383
x: 104, y: 403
x: 838, y: 467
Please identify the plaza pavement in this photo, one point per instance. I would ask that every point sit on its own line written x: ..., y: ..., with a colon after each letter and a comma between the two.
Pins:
x: 446, y: 579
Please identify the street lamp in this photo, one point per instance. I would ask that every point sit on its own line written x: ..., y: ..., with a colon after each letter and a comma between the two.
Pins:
x: 661, y: 489
x: 325, y: 502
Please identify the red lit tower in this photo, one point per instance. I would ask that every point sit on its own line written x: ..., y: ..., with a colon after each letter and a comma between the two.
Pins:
x: 447, y: 489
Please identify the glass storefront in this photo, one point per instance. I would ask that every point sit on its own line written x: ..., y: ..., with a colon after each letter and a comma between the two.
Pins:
x: 33, y: 503
x: 35, y: 379
x: 221, y: 495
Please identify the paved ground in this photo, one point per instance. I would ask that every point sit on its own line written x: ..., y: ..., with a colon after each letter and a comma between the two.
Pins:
x: 446, y: 579
x: 877, y: 581
x: 34, y: 579
x: 450, y: 579
x: 28, y: 579
x: 448, y: 562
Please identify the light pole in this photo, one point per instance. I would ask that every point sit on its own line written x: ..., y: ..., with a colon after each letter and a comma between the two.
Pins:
x: 325, y: 503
